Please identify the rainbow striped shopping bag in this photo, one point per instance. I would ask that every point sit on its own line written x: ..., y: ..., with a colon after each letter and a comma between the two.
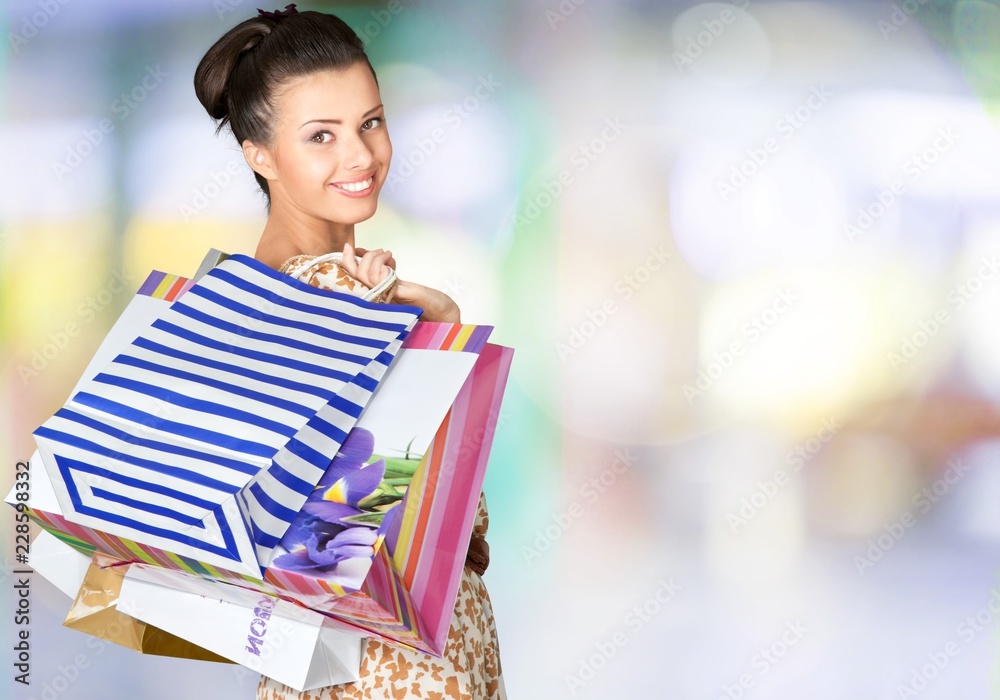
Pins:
x: 410, y: 592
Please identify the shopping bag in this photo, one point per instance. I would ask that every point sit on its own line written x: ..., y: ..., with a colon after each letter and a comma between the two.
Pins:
x: 427, y: 549
x: 292, y: 644
x: 98, y: 611
x: 205, y: 435
x: 62, y: 564
x: 411, y: 590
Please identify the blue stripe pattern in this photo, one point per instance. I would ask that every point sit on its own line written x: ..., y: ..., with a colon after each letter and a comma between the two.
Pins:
x: 226, y: 386
x: 260, y: 316
x: 206, y: 433
x: 196, y: 404
x: 268, y: 357
x: 132, y: 439
x: 282, y: 342
x: 156, y: 467
x: 207, y: 363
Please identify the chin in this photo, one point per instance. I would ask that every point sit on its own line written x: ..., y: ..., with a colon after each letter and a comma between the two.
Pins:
x: 355, y: 217
x: 365, y: 218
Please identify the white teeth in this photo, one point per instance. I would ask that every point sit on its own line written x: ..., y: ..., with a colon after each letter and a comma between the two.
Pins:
x: 356, y: 186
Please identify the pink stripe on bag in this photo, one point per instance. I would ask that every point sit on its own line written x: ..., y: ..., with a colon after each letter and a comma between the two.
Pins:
x: 437, y: 583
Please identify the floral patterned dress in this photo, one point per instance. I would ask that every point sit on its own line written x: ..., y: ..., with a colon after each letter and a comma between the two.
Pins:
x: 470, y: 667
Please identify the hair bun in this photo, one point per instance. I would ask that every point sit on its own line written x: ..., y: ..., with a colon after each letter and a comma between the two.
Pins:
x: 212, y: 75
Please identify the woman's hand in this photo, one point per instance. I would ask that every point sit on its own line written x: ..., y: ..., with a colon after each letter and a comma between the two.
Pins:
x: 374, y: 267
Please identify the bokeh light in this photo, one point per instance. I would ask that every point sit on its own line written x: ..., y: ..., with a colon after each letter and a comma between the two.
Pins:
x: 748, y: 255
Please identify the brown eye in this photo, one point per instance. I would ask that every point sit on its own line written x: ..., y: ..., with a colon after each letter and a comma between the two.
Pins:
x: 319, y: 134
x: 380, y: 120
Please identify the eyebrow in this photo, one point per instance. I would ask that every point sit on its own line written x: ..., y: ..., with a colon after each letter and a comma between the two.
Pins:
x: 337, y: 121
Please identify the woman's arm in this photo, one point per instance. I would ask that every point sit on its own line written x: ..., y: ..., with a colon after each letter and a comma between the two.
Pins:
x: 374, y: 267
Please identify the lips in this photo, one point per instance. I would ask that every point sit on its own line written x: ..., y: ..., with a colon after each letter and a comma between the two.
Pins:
x: 356, y: 186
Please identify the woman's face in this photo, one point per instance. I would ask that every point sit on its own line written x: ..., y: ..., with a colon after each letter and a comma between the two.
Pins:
x: 331, y: 151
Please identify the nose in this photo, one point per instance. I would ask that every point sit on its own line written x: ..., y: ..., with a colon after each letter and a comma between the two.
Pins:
x: 357, y: 154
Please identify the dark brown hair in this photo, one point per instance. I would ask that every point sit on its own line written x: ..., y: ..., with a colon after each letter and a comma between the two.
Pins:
x: 236, y: 80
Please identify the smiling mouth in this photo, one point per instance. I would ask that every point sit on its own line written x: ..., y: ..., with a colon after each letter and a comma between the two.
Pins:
x: 355, y: 185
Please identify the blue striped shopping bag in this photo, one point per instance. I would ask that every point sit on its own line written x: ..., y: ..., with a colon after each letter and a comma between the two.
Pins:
x: 205, y: 436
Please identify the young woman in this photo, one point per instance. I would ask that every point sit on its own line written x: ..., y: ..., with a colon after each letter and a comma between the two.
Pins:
x: 302, y: 99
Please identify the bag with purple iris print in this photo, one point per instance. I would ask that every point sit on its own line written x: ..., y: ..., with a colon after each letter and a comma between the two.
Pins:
x: 420, y: 539
x: 355, y: 505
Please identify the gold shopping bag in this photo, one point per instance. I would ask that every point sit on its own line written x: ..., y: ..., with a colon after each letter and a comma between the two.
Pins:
x: 95, y: 611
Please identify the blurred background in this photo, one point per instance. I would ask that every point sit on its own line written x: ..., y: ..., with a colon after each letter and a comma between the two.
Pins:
x: 748, y: 255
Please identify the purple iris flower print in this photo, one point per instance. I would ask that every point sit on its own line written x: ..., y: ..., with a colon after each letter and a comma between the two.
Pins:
x: 320, y: 539
x: 316, y: 548
x: 347, y: 480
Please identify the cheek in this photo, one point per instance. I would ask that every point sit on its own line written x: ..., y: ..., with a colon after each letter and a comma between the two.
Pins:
x: 307, y: 167
x: 384, y: 153
x: 382, y: 148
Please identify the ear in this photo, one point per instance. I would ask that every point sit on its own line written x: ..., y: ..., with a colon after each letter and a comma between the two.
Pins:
x: 259, y: 159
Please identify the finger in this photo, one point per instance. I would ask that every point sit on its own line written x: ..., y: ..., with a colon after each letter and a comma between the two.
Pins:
x: 392, y: 261
x: 380, y: 266
x: 381, y: 273
x: 365, y: 267
x: 348, y: 262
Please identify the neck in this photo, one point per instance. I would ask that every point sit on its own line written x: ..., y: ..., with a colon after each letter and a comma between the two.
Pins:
x: 289, y: 227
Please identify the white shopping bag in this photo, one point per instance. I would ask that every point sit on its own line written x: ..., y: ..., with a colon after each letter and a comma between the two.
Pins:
x: 289, y: 643
x: 206, y: 433
x: 58, y: 563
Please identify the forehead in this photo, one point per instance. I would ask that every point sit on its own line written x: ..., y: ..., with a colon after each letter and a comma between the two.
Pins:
x: 329, y: 94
